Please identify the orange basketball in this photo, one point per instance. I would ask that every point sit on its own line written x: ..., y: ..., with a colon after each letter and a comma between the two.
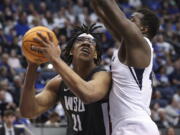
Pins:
x: 28, y: 42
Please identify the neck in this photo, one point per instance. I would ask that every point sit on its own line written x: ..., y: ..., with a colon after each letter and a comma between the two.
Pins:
x: 146, y: 35
x: 83, y: 68
x: 9, y: 125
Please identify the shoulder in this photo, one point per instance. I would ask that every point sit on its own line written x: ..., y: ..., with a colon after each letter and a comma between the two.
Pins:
x: 54, y: 83
x: 100, y: 68
x: 101, y: 72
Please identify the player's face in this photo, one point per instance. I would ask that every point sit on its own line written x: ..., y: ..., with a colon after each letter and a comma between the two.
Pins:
x: 84, y: 49
x: 136, y: 18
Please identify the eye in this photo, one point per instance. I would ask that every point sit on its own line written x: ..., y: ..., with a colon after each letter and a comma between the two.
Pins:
x: 132, y: 19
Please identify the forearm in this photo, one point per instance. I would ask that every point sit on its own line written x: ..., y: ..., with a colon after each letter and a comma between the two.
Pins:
x: 110, y: 5
x: 107, y: 22
x: 119, y: 25
x: 28, y: 102
x: 77, y: 85
x: 112, y: 12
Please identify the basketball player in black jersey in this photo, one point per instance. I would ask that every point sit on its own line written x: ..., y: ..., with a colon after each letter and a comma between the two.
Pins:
x: 81, y: 89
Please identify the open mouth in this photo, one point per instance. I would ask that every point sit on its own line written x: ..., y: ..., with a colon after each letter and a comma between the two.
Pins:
x: 85, y: 50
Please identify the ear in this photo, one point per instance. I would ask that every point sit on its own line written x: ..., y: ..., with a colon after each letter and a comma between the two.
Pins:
x: 144, y: 29
x: 71, y: 52
x: 95, y: 55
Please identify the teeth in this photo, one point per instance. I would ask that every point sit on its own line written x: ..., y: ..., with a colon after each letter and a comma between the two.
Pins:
x: 85, y: 50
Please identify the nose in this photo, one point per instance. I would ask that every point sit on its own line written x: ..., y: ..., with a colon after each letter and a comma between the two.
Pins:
x: 86, y: 43
x: 132, y: 19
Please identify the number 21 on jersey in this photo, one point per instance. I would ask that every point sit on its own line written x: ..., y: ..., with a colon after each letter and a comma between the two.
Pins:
x: 77, y: 122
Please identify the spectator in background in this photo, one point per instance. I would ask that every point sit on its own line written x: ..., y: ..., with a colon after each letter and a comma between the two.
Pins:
x: 22, y: 25
x: 13, y: 60
x: 172, y: 112
x: 177, y: 96
x: 135, y: 3
x: 162, y: 77
x: 175, y: 76
x: 3, y: 40
x: 155, y: 112
x: 42, y: 8
x: 7, y: 89
x: 77, y: 8
x: 53, y: 121
x: 48, y: 19
x: 20, y: 120
x: 16, y: 90
x: 3, y: 103
x: 84, y: 16
x: 164, y: 46
x: 162, y: 123
x: 4, y: 63
x: 157, y: 98
x: 170, y: 131
x: 8, y: 128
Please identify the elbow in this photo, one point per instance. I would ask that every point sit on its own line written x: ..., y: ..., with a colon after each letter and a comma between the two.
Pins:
x: 26, y: 113
x: 88, y: 99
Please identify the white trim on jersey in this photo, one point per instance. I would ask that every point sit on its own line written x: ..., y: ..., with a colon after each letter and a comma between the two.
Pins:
x: 106, y: 117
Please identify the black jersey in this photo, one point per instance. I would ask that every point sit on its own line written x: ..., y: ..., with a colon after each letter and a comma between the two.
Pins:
x: 84, y: 119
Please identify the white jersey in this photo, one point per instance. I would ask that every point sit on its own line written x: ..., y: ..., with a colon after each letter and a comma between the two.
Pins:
x: 131, y: 90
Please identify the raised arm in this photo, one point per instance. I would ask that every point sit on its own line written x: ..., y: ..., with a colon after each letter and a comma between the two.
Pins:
x: 32, y: 105
x: 138, y: 50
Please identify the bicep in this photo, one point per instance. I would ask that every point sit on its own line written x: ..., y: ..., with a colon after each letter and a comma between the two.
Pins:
x: 48, y: 97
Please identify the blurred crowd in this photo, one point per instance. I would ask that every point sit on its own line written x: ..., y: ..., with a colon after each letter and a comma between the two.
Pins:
x: 18, y: 16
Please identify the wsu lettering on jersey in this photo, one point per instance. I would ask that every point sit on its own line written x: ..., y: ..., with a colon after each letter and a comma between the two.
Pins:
x: 74, y: 104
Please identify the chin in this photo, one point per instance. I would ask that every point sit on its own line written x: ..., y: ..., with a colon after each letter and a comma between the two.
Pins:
x: 85, y: 58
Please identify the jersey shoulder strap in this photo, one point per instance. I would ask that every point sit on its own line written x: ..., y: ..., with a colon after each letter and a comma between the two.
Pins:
x: 95, y: 70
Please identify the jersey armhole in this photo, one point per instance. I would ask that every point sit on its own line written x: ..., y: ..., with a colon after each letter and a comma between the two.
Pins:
x: 60, y: 89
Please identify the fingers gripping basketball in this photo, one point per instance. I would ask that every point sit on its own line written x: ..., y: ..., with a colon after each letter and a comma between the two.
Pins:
x: 32, y: 54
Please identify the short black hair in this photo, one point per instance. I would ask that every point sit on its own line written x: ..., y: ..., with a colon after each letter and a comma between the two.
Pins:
x: 9, y: 113
x: 150, y: 20
x: 78, y: 30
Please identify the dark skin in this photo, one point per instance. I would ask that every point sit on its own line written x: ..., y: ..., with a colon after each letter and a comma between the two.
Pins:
x: 134, y: 50
x: 84, y: 53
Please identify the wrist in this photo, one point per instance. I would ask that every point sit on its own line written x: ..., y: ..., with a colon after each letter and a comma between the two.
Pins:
x: 32, y: 67
x: 55, y: 60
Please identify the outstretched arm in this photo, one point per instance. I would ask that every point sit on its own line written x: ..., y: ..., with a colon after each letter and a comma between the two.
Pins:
x: 32, y: 105
x: 138, y: 50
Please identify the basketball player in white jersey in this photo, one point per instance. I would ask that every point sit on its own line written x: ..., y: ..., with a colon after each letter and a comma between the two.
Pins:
x: 131, y: 68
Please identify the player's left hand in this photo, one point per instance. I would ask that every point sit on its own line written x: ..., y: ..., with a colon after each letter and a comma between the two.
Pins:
x: 49, y: 49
